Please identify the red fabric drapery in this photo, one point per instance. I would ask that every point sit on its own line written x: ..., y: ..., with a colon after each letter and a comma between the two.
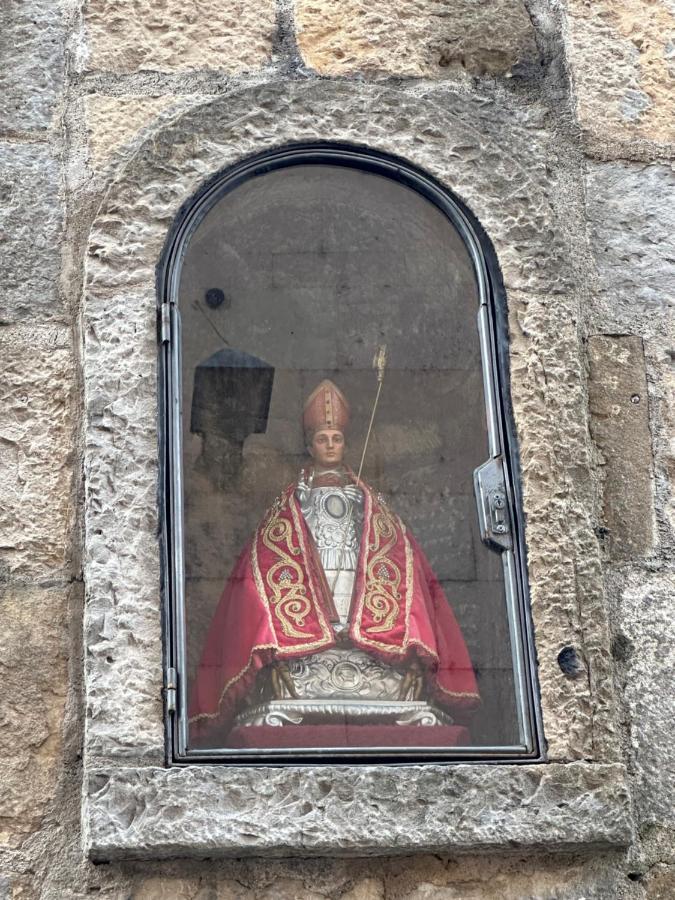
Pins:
x: 277, y: 605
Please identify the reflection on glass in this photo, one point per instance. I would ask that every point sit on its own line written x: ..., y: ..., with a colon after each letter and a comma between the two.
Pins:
x: 338, y: 611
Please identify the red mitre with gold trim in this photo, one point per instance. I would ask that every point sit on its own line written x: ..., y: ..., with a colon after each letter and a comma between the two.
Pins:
x: 326, y: 407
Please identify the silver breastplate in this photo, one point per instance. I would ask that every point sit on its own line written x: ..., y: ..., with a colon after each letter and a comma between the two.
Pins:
x: 335, y: 518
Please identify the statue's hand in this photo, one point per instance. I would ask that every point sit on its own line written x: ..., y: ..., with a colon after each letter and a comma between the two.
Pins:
x: 302, y: 493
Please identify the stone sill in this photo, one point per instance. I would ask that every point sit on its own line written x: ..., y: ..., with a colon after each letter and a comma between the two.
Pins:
x: 219, y: 811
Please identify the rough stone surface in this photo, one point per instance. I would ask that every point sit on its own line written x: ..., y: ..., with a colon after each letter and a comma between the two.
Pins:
x: 31, y: 218
x: 33, y: 669
x: 661, y: 884
x: 122, y: 625
x: 113, y: 122
x: 337, y: 811
x: 648, y: 654
x: 35, y: 450
x: 631, y: 220
x: 32, y: 49
x: 663, y: 393
x: 459, y: 142
x: 564, y: 563
x: 179, y: 35
x: 621, y: 60
x: 619, y: 407
x: 414, y: 37
x: 487, y: 876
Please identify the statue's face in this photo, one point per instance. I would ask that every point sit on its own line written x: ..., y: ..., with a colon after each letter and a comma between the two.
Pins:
x: 327, y: 447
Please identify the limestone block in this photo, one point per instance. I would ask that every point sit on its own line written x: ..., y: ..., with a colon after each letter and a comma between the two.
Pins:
x: 460, y: 143
x: 665, y: 442
x: 631, y: 215
x: 35, y: 449
x: 366, y: 889
x: 178, y: 35
x: 414, y: 37
x: 646, y: 622
x: 32, y: 49
x: 620, y: 57
x: 31, y: 218
x: 166, y: 889
x: 287, y: 889
x: 661, y: 883
x: 113, y: 121
x: 512, y: 877
x: 33, y: 671
x: 361, y: 810
x: 620, y: 427
x: 564, y: 563
x: 124, y: 658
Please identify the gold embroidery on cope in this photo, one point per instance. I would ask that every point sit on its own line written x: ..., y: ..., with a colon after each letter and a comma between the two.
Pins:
x: 383, y: 577
x: 326, y: 631
x: 285, y: 579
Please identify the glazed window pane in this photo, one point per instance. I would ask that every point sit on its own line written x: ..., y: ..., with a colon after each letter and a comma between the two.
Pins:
x: 353, y: 613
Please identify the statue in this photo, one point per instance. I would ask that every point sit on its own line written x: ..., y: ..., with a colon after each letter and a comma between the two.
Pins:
x: 332, y: 615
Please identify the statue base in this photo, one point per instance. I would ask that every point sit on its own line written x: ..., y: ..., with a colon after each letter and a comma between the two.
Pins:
x: 280, y: 713
x: 327, y: 737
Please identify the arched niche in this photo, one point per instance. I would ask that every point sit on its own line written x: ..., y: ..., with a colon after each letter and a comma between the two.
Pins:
x: 294, y: 267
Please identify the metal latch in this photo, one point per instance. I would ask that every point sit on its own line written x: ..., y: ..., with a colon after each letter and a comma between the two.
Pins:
x: 164, y: 323
x: 493, y: 505
x: 170, y: 689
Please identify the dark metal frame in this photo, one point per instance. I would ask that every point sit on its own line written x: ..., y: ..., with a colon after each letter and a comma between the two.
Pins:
x: 504, y: 462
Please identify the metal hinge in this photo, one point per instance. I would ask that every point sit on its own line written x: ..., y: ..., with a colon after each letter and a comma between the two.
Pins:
x: 165, y: 323
x: 494, y: 517
x: 170, y: 689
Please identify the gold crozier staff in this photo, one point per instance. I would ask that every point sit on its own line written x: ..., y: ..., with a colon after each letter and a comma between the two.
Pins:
x: 379, y: 363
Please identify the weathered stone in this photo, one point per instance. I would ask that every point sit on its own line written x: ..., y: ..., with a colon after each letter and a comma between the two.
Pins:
x: 621, y: 60
x: 512, y: 877
x: 565, y: 575
x: 36, y: 447
x: 166, y: 889
x: 664, y: 378
x: 414, y: 37
x: 461, y: 144
x: 113, y: 121
x: 620, y: 427
x: 661, y: 884
x: 179, y: 35
x: 631, y: 217
x: 32, y: 49
x: 33, y: 670
x: 288, y: 889
x: 646, y: 616
x: 369, y: 810
x: 123, y: 637
x: 367, y: 889
x: 31, y: 217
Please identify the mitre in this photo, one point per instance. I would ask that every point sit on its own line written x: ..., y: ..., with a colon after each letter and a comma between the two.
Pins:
x: 326, y: 407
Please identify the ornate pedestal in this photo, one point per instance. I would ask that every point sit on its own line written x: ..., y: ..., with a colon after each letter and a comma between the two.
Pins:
x: 342, y: 686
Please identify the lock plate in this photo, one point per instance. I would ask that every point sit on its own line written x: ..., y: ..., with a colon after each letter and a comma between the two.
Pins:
x: 492, y: 501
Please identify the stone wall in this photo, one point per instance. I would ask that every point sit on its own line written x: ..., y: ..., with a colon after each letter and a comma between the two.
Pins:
x: 84, y: 88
